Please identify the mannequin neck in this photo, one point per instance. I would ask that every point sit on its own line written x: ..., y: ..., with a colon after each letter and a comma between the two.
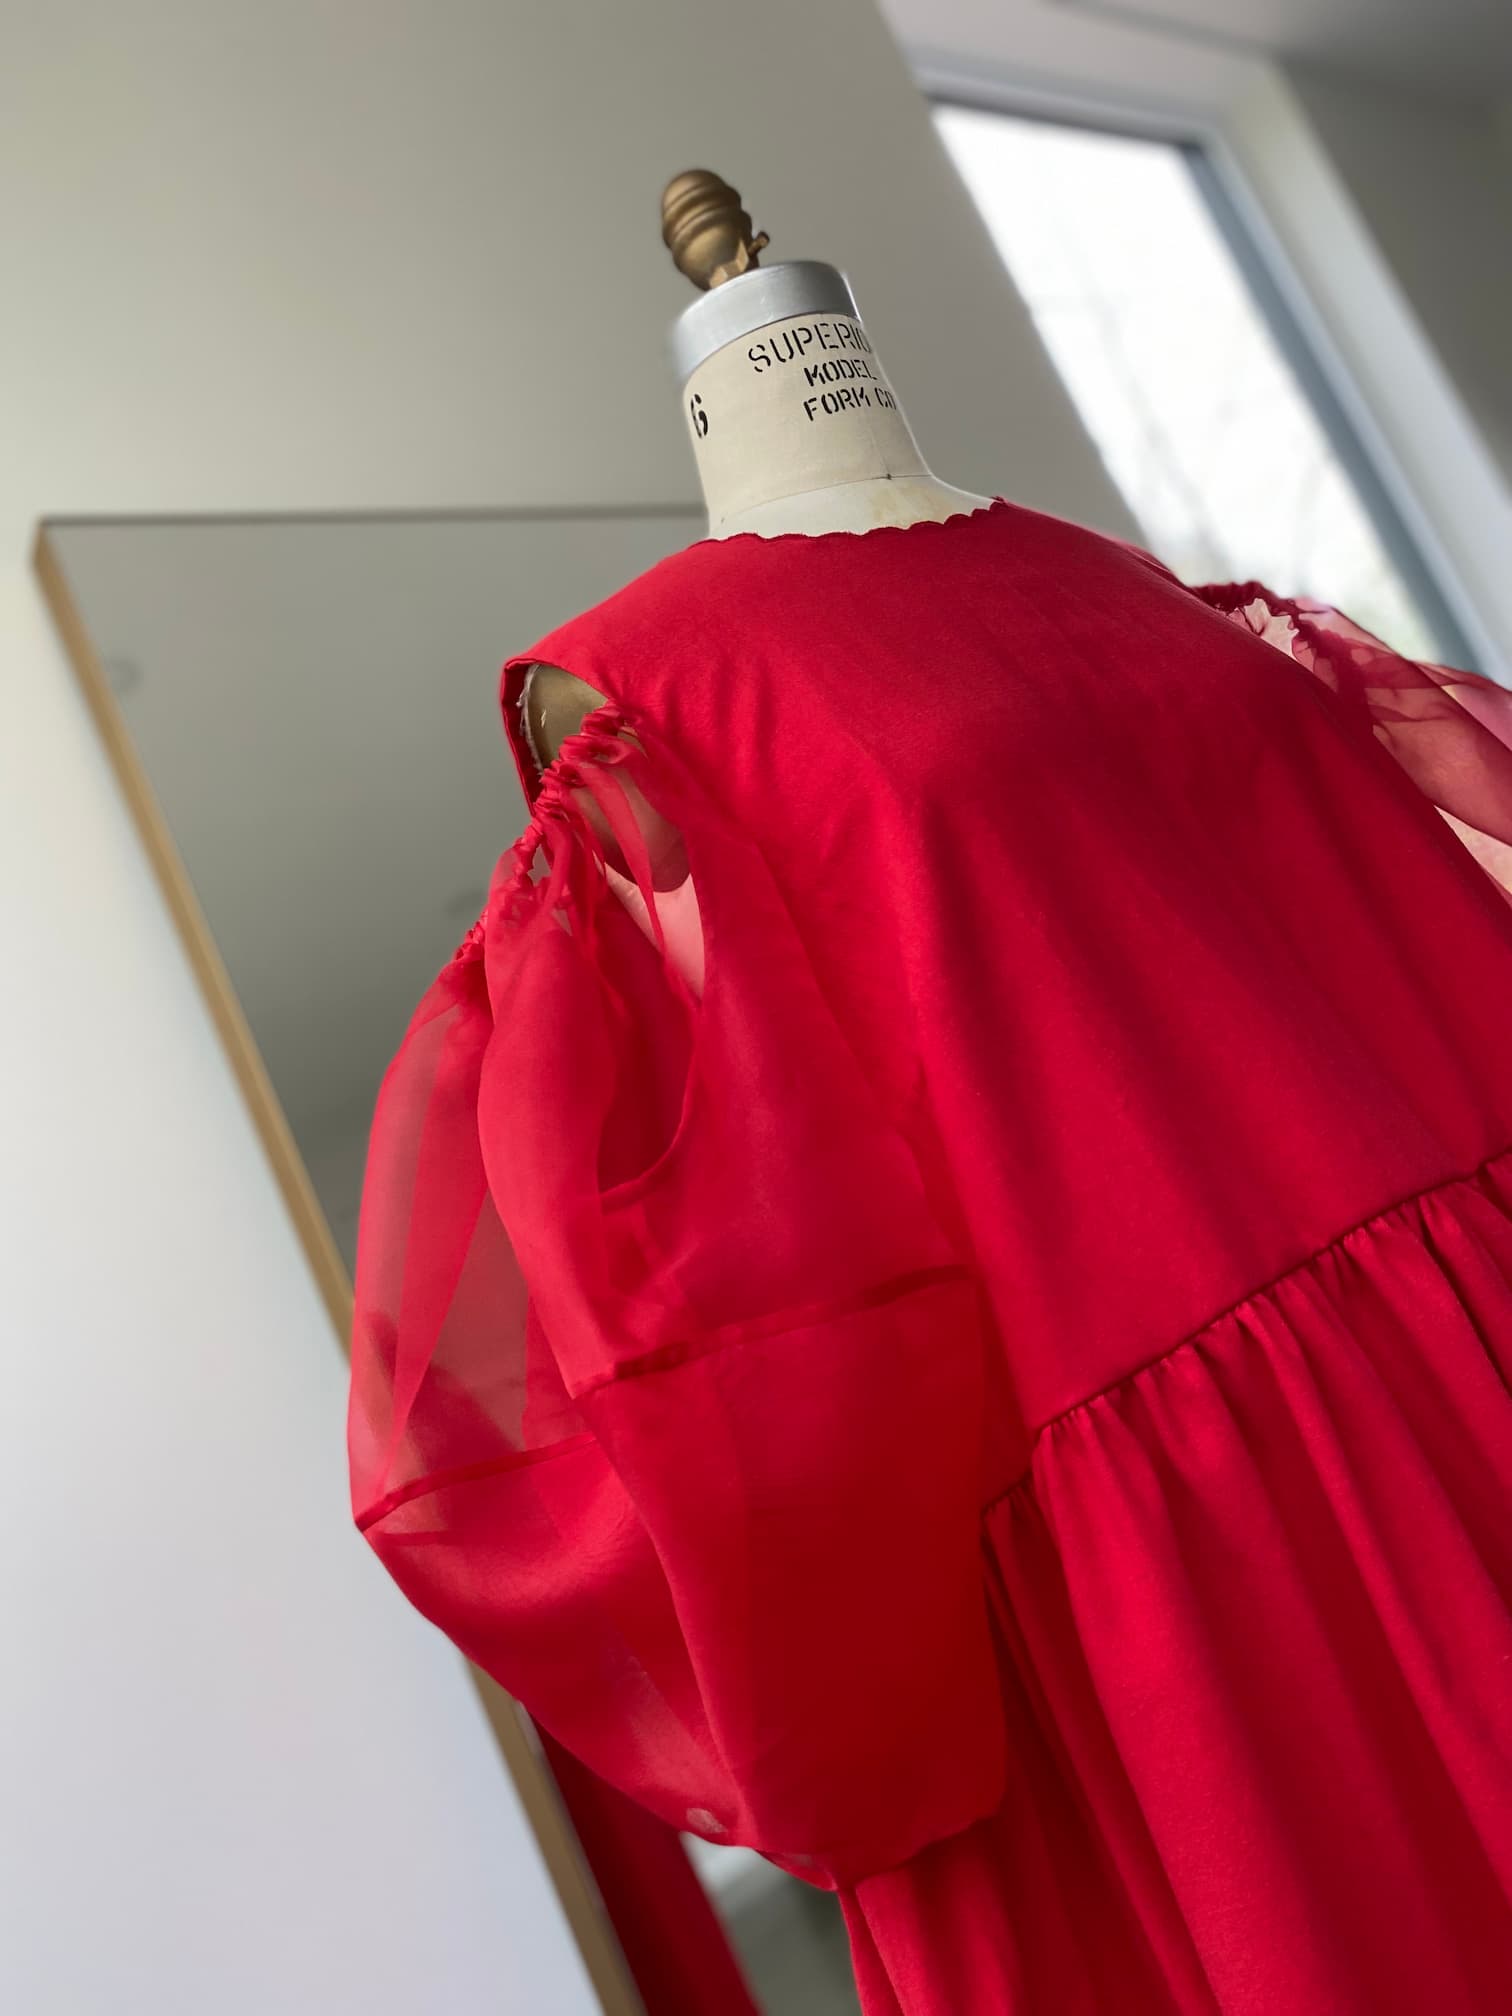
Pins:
x: 795, y: 428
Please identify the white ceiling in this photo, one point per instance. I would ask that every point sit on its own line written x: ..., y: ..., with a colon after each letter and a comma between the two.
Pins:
x: 1454, y: 46
x: 315, y: 704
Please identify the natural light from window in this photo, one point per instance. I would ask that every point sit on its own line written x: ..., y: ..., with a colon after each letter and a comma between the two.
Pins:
x: 1173, y: 368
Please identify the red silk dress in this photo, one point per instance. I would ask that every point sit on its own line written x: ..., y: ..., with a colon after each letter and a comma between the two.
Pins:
x: 953, y: 1323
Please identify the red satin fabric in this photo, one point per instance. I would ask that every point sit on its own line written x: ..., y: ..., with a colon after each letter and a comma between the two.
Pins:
x: 673, y: 1942
x: 998, y: 1396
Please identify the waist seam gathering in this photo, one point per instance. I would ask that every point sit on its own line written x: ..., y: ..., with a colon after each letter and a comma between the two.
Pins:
x: 1026, y: 1478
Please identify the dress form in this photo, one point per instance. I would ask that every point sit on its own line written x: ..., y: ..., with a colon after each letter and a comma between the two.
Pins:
x: 793, y: 424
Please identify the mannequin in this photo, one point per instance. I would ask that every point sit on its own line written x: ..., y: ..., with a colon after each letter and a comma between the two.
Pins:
x: 793, y: 424
x: 1002, y: 1395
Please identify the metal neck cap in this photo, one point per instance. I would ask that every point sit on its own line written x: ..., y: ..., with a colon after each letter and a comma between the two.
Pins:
x: 751, y: 301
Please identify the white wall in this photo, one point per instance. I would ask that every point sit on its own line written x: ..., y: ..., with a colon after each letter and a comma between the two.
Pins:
x: 1433, y: 181
x: 234, y: 1774
x: 1373, y: 317
x: 314, y: 255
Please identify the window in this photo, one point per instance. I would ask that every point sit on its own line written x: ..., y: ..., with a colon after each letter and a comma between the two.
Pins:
x: 1182, y: 378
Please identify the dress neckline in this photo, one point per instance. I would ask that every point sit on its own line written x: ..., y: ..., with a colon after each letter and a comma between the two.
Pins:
x: 916, y: 526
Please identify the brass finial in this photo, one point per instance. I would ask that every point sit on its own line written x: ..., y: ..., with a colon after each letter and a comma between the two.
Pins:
x: 706, y: 229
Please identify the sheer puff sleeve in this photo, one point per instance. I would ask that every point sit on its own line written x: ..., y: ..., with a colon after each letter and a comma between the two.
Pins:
x: 1450, y: 730
x: 667, y: 1387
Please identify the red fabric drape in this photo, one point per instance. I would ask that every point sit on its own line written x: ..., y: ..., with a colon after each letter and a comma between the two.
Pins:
x: 1450, y: 730
x: 599, y: 1486
x: 674, y: 1943
x: 984, y: 1372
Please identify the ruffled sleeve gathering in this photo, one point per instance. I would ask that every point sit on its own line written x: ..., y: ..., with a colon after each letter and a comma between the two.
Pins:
x: 668, y: 1388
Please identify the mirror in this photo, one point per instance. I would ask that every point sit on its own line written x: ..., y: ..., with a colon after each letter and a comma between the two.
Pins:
x: 303, y: 715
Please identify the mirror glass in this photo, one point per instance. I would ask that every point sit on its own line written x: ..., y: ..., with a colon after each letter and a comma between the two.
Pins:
x: 314, y: 705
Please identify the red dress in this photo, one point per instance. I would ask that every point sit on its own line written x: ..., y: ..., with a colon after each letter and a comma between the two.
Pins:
x: 966, y: 1345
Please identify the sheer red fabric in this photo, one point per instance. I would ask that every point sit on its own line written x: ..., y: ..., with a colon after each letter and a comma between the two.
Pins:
x: 528, y: 1467
x: 967, y: 1344
x: 1451, y: 731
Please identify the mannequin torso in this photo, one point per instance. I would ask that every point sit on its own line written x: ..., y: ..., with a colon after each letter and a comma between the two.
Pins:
x: 795, y: 428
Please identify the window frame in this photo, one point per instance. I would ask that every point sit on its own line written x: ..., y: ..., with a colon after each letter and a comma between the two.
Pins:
x: 1423, y: 473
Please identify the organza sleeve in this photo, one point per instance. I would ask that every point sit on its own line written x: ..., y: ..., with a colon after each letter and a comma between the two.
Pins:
x: 1451, y: 731
x: 668, y: 1387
